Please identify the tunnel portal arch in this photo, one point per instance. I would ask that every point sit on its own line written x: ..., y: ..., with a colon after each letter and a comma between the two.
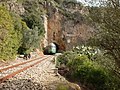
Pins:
x: 57, y: 46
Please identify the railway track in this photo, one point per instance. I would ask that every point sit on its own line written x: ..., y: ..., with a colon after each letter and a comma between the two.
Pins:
x: 12, y: 66
x: 10, y: 71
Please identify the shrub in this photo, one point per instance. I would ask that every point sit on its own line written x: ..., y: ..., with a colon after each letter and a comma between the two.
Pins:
x: 99, y: 56
x: 18, y: 27
x: 31, y: 39
x: 63, y: 59
x: 62, y: 87
x: 91, y: 74
x: 87, y: 50
x: 88, y: 72
x: 9, y: 42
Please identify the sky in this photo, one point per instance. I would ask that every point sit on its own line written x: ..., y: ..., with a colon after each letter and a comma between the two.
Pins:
x: 89, y: 2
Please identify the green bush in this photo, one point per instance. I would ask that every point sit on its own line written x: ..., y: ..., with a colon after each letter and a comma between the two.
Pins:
x: 62, y: 87
x: 9, y: 41
x: 99, y: 56
x: 91, y: 74
x: 87, y: 50
x: 63, y: 59
x: 34, y: 20
x: 88, y: 72
x: 19, y: 27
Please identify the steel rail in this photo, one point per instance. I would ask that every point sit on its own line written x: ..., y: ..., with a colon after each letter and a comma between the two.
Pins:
x: 16, y: 65
x: 21, y: 70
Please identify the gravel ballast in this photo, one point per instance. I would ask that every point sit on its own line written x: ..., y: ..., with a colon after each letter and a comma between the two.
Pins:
x: 38, y: 77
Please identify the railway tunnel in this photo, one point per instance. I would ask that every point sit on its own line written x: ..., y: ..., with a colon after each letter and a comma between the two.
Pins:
x: 52, y: 48
x: 57, y: 47
x: 65, y: 33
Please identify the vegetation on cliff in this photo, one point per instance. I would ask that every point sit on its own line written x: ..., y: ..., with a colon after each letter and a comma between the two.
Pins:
x: 10, y: 35
x: 20, y: 32
x: 33, y: 17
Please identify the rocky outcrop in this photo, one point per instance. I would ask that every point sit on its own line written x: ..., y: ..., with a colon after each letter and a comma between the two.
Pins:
x: 14, y: 6
x: 67, y: 28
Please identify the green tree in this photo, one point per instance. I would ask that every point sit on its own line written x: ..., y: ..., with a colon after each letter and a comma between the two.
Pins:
x: 107, y: 18
x: 33, y: 30
x: 33, y: 15
x: 31, y: 39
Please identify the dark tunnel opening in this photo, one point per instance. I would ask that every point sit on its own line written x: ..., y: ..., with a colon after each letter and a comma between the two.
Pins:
x: 50, y: 49
x: 57, y: 47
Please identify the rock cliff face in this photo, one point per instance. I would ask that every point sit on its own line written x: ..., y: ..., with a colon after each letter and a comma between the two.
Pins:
x: 68, y: 29
x: 13, y: 6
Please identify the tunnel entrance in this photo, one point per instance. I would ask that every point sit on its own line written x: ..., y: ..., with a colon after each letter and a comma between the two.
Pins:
x: 57, y: 47
x: 51, y: 49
